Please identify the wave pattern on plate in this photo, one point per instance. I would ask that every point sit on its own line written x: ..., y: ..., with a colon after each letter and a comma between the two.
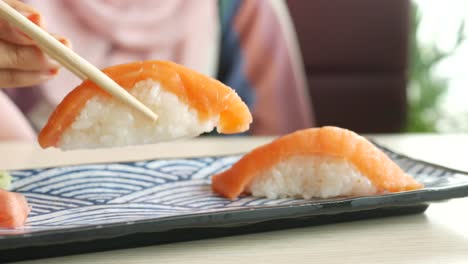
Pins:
x: 87, y: 195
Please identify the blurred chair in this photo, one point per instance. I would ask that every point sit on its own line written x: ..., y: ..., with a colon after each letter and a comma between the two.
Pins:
x: 355, y: 57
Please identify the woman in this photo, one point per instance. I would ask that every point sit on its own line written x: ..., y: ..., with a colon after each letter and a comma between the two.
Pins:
x: 249, y: 45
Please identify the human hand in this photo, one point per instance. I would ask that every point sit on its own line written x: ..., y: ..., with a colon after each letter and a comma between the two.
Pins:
x: 22, y: 63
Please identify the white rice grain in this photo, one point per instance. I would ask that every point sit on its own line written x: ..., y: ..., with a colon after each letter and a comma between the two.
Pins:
x: 108, y: 123
x: 310, y: 177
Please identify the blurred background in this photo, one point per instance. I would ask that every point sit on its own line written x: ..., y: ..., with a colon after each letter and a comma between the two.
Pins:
x: 372, y: 66
x: 386, y: 66
x: 439, y: 81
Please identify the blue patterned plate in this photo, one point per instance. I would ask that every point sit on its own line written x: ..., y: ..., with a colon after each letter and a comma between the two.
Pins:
x: 86, y: 208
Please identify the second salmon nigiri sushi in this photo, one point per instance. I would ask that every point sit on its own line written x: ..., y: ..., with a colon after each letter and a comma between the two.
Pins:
x: 187, y: 103
x: 14, y: 209
x: 314, y: 163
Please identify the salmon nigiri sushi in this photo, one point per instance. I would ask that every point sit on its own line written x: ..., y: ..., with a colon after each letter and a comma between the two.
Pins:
x: 14, y: 209
x: 187, y: 103
x: 320, y: 162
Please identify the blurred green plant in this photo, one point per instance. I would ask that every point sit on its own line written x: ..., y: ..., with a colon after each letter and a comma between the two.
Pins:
x: 425, y: 88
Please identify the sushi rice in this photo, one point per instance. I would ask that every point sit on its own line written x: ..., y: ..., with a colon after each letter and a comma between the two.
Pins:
x: 310, y: 177
x: 104, y: 122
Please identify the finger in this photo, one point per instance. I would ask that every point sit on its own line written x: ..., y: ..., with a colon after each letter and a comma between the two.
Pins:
x: 63, y: 40
x: 21, y: 7
x: 12, y: 34
x: 28, y: 58
x: 18, y: 79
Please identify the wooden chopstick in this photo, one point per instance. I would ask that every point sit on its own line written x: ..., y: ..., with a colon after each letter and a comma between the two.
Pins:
x: 63, y: 62
x: 70, y: 60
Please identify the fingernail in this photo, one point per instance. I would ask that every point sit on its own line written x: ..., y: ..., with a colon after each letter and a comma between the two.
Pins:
x: 34, y: 18
x: 53, y: 71
x: 64, y: 41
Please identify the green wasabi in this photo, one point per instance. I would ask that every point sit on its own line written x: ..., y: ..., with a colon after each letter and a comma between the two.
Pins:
x: 5, y: 180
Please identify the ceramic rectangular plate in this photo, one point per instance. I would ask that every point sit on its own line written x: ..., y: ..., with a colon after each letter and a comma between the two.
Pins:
x: 83, y: 208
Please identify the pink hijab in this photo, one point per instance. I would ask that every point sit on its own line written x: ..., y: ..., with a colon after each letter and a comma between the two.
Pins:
x: 109, y: 32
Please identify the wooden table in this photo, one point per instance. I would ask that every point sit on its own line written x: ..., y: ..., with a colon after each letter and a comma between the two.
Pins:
x: 438, y: 236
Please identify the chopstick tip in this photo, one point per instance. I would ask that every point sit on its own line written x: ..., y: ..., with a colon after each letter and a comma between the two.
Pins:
x: 147, y: 112
x: 154, y: 117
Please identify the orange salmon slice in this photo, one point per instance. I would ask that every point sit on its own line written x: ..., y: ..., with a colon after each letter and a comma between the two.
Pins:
x: 374, y: 164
